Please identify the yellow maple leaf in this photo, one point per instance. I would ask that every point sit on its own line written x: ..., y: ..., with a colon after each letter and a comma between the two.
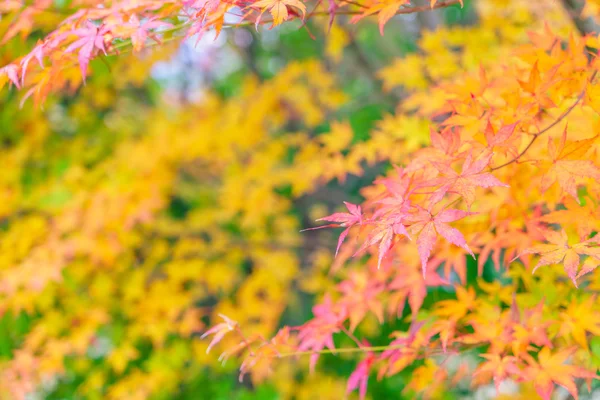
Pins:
x: 279, y: 9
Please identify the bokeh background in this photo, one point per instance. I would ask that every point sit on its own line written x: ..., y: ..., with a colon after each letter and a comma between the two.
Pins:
x: 172, y: 187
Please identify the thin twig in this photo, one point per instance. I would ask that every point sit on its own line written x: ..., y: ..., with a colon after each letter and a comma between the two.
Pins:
x: 406, y: 10
x: 364, y: 349
x: 351, y: 336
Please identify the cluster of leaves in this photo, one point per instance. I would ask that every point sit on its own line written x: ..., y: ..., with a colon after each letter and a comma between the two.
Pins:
x: 514, y: 162
x: 113, y: 260
x: 93, y: 30
x: 110, y: 279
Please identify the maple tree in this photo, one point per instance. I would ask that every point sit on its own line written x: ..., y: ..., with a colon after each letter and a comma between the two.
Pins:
x: 482, y: 219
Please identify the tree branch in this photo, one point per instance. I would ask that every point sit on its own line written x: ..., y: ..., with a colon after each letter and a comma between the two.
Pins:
x: 546, y: 129
x: 585, y: 26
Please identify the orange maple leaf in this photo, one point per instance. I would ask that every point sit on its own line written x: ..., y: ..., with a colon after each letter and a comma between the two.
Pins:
x: 497, y: 366
x: 385, y: 9
x: 279, y: 9
x: 567, y: 165
x: 578, y: 319
x: 559, y: 251
x: 585, y: 218
x: 550, y: 369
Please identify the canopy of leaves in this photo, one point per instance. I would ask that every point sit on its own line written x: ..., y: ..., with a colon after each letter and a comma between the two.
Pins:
x: 151, y: 210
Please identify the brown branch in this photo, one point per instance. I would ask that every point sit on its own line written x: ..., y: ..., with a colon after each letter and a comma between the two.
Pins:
x: 546, y: 129
x: 410, y: 10
x: 585, y: 25
x: 355, y: 3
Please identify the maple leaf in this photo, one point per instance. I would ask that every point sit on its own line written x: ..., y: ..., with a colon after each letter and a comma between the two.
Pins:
x: 578, y: 319
x: 387, y: 227
x: 529, y: 328
x: 279, y: 9
x: 338, y: 138
x: 409, y: 283
x: 470, y: 177
x: 360, y: 376
x: 404, y: 349
x: 359, y: 296
x: 566, y: 166
x: 453, y: 259
x: 91, y: 38
x: 459, y: 307
x: 446, y: 328
x: 428, y: 226
x: 331, y: 8
x: 499, y: 367
x: 559, y: 251
x: 24, y: 22
x: 219, y: 330
x: 344, y: 220
x: 396, y: 199
x: 142, y: 30
x: 38, y: 54
x: 385, y: 9
x: 387, y: 12
x: 585, y: 218
x: 543, y: 40
x: 10, y: 72
x: 502, y: 139
x: 263, y: 354
x: 551, y: 369
x: 318, y: 333
x: 507, y: 243
x: 538, y: 87
x: 446, y: 141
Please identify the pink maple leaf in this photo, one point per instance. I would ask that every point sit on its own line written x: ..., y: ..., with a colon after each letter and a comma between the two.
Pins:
x: 12, y: 72
x: 318, y: 333
x: 499, y: 137
x: 360, y: 376
x: 446, y: 141
x: 384, y: 235
x: 142, y: 30
x: 428, y: 226
x: 343, y: 220
x: 409, y: 284
x: 465, y: 182
x: 91, y: 38
x: 38, y: 54
x: 219, y: 330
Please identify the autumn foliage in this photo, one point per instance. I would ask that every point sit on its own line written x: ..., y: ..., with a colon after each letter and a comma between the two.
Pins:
x: 469, y: 261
